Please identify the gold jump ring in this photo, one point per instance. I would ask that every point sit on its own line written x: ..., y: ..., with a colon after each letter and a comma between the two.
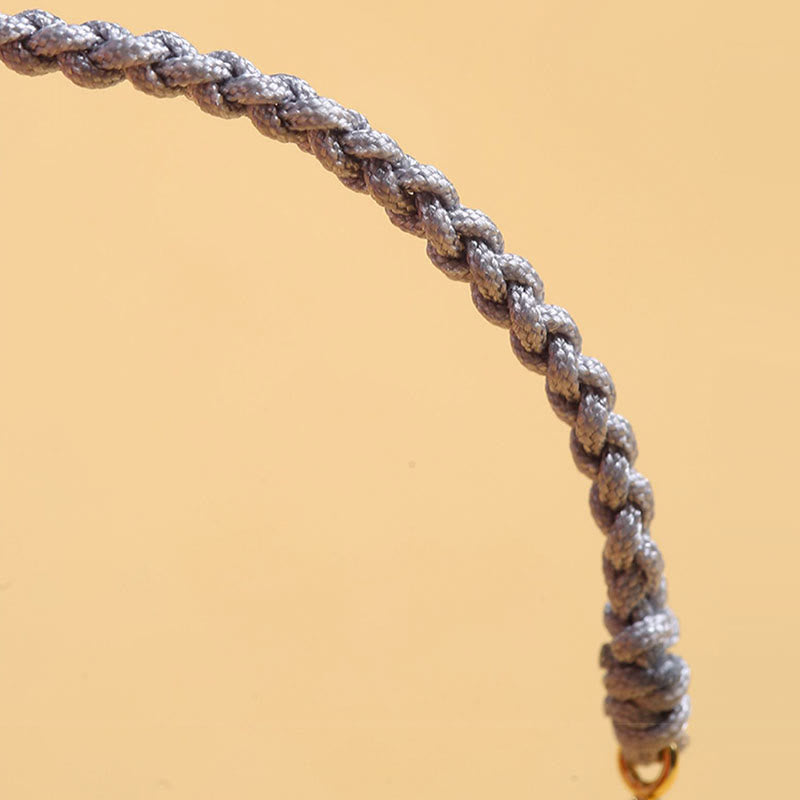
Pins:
x: 650, y: 790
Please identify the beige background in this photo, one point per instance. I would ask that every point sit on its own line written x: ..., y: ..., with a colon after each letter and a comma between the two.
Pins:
x: 282, y: 515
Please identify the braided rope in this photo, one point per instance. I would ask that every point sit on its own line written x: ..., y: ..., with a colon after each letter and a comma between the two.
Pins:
x: 646, y: 684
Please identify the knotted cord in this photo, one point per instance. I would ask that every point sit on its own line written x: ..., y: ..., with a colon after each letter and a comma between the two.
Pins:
x: 646, y: 685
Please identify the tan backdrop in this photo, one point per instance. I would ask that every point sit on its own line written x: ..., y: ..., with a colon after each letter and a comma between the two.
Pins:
x: 283, y: 517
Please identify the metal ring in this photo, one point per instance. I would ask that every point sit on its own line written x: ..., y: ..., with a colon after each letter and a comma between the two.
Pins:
x: 649, y: 790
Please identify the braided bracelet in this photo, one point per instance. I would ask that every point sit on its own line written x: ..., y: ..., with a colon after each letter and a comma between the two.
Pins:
x: 646, y: 685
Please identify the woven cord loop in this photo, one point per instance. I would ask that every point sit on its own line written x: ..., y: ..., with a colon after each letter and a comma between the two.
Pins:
x: 646, y: 685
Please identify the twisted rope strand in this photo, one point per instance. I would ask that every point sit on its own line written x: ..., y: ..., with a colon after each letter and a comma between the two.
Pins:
x: 646, y: 685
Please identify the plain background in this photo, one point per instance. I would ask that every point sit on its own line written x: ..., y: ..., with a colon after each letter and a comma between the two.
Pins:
x: 282, y: 516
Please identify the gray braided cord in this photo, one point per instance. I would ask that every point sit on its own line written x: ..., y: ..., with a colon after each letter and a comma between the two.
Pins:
x: 647, y: 686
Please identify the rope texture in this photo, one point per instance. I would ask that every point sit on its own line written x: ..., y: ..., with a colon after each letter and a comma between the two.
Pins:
x: 646, y: 685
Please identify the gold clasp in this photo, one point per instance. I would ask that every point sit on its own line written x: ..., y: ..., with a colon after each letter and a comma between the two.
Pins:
x: 650, y: 790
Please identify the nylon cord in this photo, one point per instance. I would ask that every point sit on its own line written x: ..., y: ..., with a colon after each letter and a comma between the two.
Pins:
x: 646, y: 684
